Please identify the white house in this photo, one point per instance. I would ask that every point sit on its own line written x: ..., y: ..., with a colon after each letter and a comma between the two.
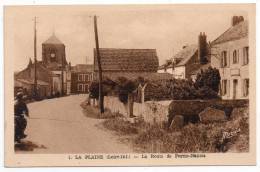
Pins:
x: 230, y: 54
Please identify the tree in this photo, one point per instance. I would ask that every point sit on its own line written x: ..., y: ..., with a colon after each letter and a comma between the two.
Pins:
x: 107, y: 87
x: 94, y: 90
x: 124, y: 87
x: 208, y: 78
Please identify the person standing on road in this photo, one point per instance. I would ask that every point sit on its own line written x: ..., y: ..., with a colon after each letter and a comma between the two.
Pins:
x: 20, y: 109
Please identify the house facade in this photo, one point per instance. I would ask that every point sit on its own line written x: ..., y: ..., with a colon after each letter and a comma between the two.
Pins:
x: 81, y: 77
x: 168, y: 67
x: 230, y: 54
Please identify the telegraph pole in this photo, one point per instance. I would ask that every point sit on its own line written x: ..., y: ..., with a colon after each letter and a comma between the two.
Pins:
x: 35, y: 59
x: 101, y: 97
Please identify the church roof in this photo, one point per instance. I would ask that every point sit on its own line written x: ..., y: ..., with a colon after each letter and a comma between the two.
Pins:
x: 131, y: 60
x: 53, y: 40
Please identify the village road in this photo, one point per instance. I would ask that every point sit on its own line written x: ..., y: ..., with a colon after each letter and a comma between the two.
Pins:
x: 60, y: 125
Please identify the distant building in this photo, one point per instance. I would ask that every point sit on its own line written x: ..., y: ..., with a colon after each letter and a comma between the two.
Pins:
x: 193, y: 58
x: 25, y: 80
x: 230, y: 54
x: 167, y: 67
x: 81, y: 77
x: 54, y: 58
x: 127, y: 63
x: 52, y: 71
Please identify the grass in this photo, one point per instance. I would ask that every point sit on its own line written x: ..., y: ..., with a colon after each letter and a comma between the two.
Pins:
x: 121, y: 126
x: 206, y: 138
x: 94, y: 112
x: 195, y: 138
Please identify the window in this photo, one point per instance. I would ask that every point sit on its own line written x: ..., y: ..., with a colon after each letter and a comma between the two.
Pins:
x: 80, y: 77
x: 235, y: 56
x: 246, y: 87
x: 86, y: 87
x: 224, y: 87
x: 86, y: 77
x: 90, y: 77
x: 80, y: 87
x: 245, y: 55
x: 224, y: 58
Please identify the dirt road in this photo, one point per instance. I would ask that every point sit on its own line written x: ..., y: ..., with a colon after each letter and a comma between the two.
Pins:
x: 60, y: 126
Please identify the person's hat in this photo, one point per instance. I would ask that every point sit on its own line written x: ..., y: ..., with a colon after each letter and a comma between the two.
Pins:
x: 19, y: 95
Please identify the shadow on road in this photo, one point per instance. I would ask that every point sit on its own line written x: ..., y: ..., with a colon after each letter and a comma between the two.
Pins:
x: 27, y: 146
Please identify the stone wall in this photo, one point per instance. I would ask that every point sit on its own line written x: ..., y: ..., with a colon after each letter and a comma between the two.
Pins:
x: 151, y: 111
x: 188, y: 108
x: 114, y: 105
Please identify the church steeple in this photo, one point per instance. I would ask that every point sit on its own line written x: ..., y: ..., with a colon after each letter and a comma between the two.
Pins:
x: 53, y: 40
x: 53, y: 53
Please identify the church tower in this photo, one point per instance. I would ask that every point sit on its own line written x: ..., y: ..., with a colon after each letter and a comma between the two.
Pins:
x: 53, y: 53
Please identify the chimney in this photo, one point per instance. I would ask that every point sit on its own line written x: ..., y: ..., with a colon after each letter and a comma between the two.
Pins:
x: 202, y: 48
x: 30, y: 63
x: 236, y: 19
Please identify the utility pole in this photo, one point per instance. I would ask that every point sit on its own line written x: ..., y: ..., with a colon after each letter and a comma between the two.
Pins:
x: 35, y: 59
x: 101, y: 97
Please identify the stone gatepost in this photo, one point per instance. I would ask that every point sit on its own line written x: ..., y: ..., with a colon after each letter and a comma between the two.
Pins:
x: 142, y: 92
x: 130, y: 105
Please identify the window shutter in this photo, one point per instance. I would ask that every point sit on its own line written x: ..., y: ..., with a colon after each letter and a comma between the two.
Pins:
x: 238, y: 56
x: 221, y: 62
x: 221, y: 88
x: 243, y: 87
x: 228, y: 88
x: 228, y: 59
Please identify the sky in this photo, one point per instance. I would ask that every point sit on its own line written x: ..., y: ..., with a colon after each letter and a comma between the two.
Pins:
x: 166, y: 28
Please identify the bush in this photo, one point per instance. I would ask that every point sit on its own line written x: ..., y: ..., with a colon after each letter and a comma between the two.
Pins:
x: 121, y: 126
x: 209, y: 78
x: 94, y: 90
x: 107, y: 87
x: 125, y: 87
x: 182, y: 90
x: 206, y: 93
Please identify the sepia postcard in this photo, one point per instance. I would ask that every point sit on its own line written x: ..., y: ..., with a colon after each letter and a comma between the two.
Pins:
x: 130, y: 85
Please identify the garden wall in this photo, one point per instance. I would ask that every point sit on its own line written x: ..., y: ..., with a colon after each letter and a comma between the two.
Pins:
x: 194, y: 107
x: 157, y: 111
x: 151, y: 112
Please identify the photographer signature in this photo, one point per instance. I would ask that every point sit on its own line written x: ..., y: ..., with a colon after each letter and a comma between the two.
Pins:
x: 228, y: 135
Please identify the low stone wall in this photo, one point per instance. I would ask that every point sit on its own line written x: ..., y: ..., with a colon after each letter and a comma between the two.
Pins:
x: 114, y: 105
x: 151, y: 112
x: 191, y: 108
x: 157, y: 111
